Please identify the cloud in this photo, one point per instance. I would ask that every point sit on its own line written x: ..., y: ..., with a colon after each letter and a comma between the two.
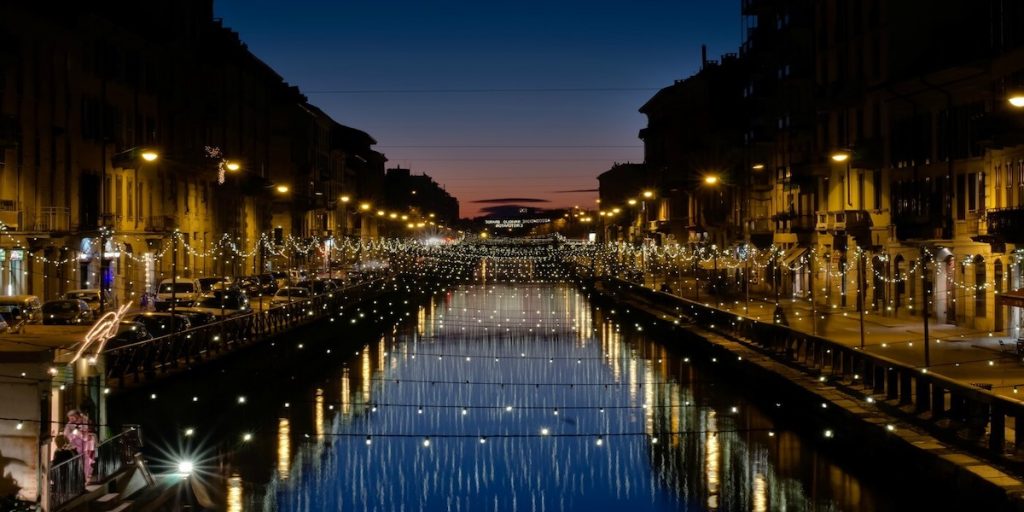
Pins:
x: 507, y: 200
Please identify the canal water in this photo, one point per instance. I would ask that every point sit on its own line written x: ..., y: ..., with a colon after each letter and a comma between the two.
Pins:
x: 502, y: 397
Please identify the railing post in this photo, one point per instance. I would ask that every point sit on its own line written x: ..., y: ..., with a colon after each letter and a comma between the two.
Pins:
x: 938, y: 401
x: 923, y: 398
x: 997, y: 430
x: 905, y: 384
x: 893, y: 387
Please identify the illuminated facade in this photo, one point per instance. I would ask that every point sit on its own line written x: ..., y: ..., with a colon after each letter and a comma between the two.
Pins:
x: 127, y: 126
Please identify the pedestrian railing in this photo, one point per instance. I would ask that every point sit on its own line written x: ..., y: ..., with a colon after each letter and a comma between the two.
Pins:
x: 117, y: 453
x: 963, y: 414
x: 150, y: 358
x: 66, y: 481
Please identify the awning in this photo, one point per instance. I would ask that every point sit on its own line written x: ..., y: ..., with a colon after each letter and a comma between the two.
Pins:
x: 792, y: 254
x: 1014, y: 298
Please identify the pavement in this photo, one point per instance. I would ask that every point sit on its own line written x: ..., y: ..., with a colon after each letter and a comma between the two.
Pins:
x: 967, y: 355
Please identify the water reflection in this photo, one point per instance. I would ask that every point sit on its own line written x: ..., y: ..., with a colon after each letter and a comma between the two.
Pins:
x: 524, y: 398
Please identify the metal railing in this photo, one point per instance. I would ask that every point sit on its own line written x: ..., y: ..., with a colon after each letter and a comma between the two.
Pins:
x: 66, y: 481
x: 117, y: 453
x: 53, y: 218
x: 147, y: 359
x: 957, y: 412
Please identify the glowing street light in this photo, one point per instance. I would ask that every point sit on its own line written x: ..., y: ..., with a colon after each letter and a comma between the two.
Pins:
x: 149, y: 155
x: 631, y: 202
x: 757, y: 167
x: 364, y: 206
x: 711, y: 179
x: 840, y: 156
x: 345, y: 199
x: 282, y: 189
x: 648, y: 194
x: 231, y: 166
x: 1016, y: 100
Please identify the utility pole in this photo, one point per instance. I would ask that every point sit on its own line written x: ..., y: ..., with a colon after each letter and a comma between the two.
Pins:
x: 746, y: 285
x: 174, y: 279
x: 814, y: 306
x: 860, y: 293
x: 103, y: 245
x: 924, y: 303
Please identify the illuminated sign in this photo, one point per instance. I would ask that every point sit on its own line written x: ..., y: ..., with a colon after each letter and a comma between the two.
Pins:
x: 514, y: 223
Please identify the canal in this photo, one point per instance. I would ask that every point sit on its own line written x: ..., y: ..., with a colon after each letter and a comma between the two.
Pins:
x: 501, y: 397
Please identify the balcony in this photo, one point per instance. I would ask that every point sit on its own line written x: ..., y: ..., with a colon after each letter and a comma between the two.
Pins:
x: 1007, y: 223
x: 161, y: 223
x: 53, y: 219
x: 10, y: 214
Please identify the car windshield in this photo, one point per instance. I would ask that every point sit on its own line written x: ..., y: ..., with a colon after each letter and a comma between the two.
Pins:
x: 86, y: 296
x: 60, y: 306
x: 176, y: 288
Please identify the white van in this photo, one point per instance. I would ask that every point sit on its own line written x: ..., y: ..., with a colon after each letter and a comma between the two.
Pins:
x: 183, y: 292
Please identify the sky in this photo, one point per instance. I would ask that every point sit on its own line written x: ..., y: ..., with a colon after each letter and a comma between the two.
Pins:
x: 492, y: 98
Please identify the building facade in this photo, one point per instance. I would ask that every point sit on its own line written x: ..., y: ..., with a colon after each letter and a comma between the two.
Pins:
x: 89, y: 94
x: 872, y: 133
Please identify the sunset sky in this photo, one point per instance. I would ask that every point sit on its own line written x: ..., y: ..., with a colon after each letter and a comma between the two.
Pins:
x: 493, y: 99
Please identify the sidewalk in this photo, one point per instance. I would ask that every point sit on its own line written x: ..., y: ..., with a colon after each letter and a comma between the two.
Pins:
x: 955, y: 352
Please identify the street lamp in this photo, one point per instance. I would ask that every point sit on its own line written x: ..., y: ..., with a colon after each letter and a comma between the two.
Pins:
x: 840, y: 156
x: 231, y: 166
x: 1016, y: 100
x: 282, y: 189
x: 345, y: 199
x: 364, y: 206
x: 711, y: 179
x: 648, y: 194
x: 150, y: 155
x: 631, y: 202
x: 757, y: 167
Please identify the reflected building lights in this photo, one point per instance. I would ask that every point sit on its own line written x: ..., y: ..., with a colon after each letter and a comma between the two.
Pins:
x: 711, y: 462
x: 760, y: 493
x: 366, y: 375
x: 284, y: 448
x: 234, y: 494
x: 318, y: 413
x: 346, y: 393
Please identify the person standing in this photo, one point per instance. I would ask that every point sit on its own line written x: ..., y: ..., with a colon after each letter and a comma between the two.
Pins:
x: 78, y: 432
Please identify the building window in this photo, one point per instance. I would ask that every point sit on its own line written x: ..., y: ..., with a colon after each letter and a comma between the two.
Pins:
x: 972, y: 192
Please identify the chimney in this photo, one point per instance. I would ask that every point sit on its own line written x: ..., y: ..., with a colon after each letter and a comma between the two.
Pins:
x: 703, y: 56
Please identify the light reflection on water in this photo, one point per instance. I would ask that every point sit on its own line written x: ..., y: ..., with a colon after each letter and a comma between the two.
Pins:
x: 630, y: 425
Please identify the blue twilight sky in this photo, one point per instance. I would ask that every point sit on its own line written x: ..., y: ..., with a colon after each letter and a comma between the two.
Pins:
x: 433, y: 81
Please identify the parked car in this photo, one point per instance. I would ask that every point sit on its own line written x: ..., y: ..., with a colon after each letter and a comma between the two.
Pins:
x: 92, y: 298
x: 18, y: 308
x: 162, y: 324
x: 250, y: 285
x: 196, y: 318
x: 66, y: 312
x: 290, y: 294
x: 183, y: 292
x: 281, y: 279
x: 268, y: 283
x: 129, y: 332
x: 207, y: 284
x: 318, y: 286
x: 223, y: 303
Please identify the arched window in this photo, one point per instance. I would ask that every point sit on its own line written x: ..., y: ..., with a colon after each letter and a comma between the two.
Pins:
x: 980, y: 290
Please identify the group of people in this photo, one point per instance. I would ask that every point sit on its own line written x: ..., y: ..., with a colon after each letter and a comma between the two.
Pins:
x: 77, y: 439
